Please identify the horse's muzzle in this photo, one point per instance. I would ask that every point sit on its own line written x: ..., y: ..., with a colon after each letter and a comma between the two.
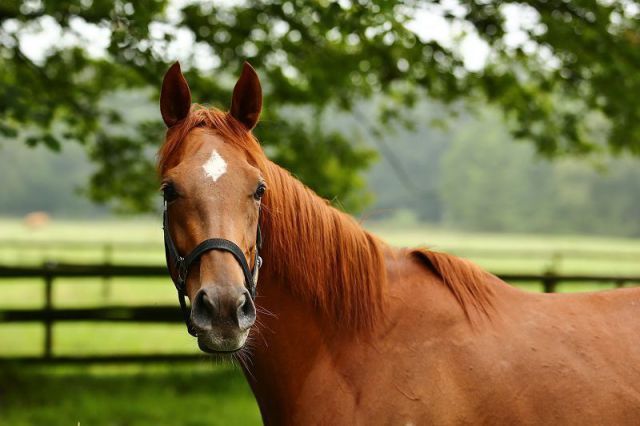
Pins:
x: 222, y: 316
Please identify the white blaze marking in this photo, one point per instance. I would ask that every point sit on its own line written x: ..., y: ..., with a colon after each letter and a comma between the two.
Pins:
x: 215, y: 166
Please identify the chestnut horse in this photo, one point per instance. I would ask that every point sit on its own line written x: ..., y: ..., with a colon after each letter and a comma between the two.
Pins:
x: 349, y: 330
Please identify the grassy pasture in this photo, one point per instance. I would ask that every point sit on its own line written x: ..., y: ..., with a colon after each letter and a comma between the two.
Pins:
x: 201, y: 392
x: 157, y: 394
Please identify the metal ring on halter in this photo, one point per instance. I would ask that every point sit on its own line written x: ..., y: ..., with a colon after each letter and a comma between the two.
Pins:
x: 182, y: 273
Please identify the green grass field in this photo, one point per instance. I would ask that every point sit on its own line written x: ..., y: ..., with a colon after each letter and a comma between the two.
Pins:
x: 201, y: 392
x: 157, y: 394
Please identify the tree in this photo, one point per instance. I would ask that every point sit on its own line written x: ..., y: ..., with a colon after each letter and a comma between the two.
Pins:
x: 576, y: 63
x: 500, y: 186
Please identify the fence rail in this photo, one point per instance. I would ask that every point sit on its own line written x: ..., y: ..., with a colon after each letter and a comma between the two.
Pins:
x: 49, y: 314
x: 110, y: 247
x: 78, y: 244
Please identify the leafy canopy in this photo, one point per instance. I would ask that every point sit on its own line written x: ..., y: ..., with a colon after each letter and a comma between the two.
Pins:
x: 571, y: 65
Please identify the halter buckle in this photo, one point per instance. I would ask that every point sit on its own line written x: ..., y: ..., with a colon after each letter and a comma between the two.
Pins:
x: 182, y: 272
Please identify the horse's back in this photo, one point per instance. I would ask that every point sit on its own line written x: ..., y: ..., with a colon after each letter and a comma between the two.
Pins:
x: 568, y: 359
x: 529, y: 359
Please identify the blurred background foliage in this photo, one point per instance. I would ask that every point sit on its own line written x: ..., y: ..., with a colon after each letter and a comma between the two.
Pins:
x: 565, y: 80
x: 468, y: 175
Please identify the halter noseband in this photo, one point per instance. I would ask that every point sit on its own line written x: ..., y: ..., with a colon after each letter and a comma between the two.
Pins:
x: 183, y: 264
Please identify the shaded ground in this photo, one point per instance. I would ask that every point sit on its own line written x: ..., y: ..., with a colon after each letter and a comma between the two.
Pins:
x: 182, y: 394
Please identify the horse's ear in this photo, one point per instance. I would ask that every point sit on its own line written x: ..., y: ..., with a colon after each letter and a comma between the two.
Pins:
x: 175, y: 98
x: 246, y: 103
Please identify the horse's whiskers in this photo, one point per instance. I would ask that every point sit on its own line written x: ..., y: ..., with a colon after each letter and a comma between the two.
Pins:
x: 263, y: 310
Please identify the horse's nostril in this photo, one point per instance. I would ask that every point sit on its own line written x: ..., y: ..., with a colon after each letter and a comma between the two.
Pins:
x: 207, y: 303
x: 245, y: 304
x: 203, y: 310
x: 246, y: 312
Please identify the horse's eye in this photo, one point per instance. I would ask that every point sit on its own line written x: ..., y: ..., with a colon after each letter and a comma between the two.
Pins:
x: 169, y: 192
x: 259, y: 191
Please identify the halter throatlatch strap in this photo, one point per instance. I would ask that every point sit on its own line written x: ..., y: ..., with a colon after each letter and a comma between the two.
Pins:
x: 181, y: 265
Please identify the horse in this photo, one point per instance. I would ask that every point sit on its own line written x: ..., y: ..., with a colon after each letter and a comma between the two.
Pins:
x: 346, y: 329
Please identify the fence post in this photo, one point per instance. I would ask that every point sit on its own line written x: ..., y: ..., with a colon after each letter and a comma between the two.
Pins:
x: 549, y: 282
x: 48, y: 308
x: 106, y: 280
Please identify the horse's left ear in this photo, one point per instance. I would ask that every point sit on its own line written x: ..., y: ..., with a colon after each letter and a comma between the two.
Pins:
x: 246, y: 103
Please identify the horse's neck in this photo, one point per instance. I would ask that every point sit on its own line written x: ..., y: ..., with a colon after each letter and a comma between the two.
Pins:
x: 323, y: 255
x: 294, y: 334
x: 288, y: 345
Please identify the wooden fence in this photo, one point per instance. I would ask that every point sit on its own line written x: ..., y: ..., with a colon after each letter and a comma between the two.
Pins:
x: 104, y: 251
x: 49, y: 314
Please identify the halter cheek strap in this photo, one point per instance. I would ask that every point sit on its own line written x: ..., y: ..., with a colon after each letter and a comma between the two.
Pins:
x: 182, y: 265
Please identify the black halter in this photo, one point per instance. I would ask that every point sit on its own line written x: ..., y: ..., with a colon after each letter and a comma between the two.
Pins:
x: 183, y: 264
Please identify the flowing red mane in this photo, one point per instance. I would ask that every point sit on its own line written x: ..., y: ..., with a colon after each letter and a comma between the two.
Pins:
x: 465, y: 280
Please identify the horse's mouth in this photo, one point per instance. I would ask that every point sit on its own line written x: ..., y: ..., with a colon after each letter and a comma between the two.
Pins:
x: 206, y: 349
x: 215, y: 344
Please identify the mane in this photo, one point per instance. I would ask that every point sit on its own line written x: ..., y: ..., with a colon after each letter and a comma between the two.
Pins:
x: 319, y: 252
x: 327, y: 257
x: 463, y: 278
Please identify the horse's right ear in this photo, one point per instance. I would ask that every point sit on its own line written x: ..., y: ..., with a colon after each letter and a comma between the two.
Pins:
x: 175, y: 98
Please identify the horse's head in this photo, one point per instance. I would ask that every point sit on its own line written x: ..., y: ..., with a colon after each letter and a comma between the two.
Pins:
x: 213, y: 186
